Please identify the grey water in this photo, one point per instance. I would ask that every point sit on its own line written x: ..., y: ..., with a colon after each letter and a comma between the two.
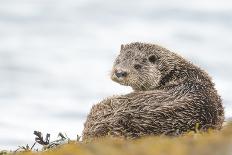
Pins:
x: 56, y: 55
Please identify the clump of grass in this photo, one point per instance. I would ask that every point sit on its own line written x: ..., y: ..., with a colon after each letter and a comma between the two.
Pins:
x: 193, y: 143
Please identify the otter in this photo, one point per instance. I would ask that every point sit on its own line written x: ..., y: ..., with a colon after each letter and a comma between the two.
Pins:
x: 171, y: 96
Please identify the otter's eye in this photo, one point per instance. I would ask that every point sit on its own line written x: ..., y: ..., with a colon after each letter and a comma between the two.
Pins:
x: 153, y: 58
x: 137, y: 66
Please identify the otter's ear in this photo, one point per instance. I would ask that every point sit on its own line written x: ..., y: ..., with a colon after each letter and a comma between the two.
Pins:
x: 153, y: 58
x: 122, y: 46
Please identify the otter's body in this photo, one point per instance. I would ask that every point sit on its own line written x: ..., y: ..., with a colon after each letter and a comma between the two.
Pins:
x: 171, y: 96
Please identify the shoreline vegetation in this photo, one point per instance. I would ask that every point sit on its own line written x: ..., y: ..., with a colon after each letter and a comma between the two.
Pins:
x: 192, y: 143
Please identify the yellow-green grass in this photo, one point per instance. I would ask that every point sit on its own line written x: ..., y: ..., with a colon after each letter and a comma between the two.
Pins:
x: 210, y: 143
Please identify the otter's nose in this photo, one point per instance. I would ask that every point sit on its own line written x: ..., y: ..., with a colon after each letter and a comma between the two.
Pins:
x: 120, y: 73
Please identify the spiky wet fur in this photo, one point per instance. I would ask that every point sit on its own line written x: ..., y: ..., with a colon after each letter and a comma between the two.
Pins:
x: 171, y: 96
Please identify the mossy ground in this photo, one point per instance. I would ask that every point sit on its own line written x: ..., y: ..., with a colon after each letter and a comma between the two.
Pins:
x: 211, y: 143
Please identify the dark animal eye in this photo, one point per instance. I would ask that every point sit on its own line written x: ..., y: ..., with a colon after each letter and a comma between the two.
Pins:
x: 153, y: 58
x: 137, y: 66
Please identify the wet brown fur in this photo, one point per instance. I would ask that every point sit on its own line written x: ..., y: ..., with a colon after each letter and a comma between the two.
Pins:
x: 171, y: 96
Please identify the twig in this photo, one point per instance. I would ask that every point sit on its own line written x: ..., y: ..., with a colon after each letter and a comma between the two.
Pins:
x: 39, y: 139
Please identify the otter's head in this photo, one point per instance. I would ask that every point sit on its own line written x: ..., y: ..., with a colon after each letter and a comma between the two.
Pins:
x: 141, y: 66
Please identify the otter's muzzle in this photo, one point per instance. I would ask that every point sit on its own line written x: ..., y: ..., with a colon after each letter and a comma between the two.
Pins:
x: 120, y: 73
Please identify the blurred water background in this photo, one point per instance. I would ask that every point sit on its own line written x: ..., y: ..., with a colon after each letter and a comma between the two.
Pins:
x: 56, y: 55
